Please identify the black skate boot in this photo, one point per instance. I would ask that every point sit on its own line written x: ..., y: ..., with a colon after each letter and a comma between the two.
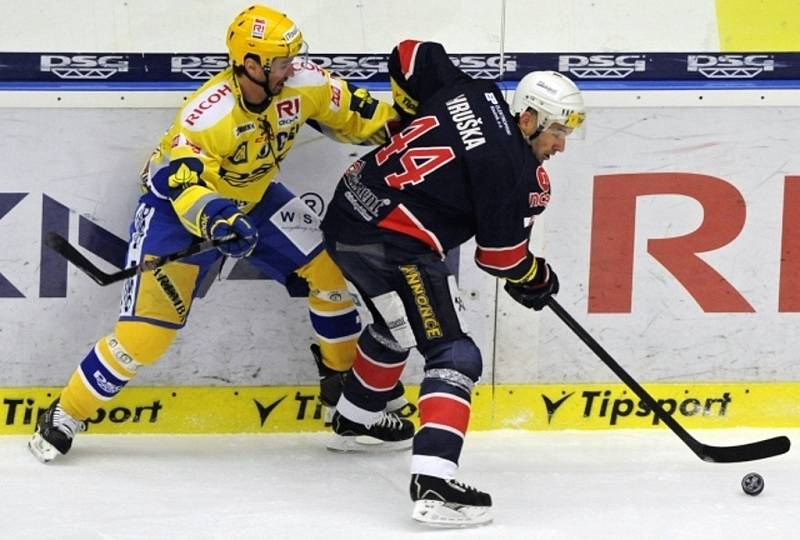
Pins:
x: 448, y: 503
x: 390, y: 432
x: 54, y: 433
x: 331, y: 384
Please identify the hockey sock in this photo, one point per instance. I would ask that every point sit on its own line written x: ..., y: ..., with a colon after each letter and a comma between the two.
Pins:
x: 98, y: 379
x: 337, y: 326
x: 334, y: 317
x: 444, y: 411
x: 379, y: 363
x: 112, y: 362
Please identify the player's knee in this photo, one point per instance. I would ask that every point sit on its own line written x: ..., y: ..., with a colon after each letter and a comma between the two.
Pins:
x: 377, y: 341
x: 142, y: 342
x: 324, y: 278
x: 461, y: 356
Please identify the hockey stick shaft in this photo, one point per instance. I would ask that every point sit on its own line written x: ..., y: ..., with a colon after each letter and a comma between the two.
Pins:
x: 721, y: 454
x: 60, y: 245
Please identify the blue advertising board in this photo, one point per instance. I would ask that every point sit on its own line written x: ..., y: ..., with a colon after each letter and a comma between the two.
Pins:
x: 149, y: 71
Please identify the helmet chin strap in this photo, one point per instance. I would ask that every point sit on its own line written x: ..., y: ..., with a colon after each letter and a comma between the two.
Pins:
x: 529, y: 138
x: 264, y: 85
x: 536, y: 132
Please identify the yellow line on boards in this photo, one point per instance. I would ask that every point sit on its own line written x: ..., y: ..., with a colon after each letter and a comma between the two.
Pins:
x: 537, y: 407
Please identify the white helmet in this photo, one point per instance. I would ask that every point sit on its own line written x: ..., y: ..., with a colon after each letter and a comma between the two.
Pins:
x: 553, y: 96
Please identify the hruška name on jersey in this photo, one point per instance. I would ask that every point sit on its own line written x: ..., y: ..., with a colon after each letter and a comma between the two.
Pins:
x: 467, y: 124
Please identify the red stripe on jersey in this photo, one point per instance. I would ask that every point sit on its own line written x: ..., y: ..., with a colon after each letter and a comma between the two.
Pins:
x: 444, y: 409
x: 375, y: 375
x: 401, y: 220
x: 501, y: 258
x: 407, y: 52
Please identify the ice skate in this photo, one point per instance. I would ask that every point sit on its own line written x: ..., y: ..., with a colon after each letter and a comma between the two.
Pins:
x: 448, y: 503
x: 389, y: 433
x: 54, y: 433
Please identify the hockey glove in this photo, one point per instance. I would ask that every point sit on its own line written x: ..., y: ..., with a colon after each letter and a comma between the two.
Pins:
x: 534, y: 293
x: 221, y: 218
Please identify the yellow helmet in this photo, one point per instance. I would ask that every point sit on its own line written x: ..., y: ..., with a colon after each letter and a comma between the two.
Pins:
x: 264, y: 32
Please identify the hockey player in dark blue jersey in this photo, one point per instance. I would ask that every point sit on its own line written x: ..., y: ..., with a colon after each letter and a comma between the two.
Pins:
x: 465, y: 165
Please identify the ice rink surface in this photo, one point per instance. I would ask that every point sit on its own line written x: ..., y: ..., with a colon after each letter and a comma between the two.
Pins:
x: 566, y: 485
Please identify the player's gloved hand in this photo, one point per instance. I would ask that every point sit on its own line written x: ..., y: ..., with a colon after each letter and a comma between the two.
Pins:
x: 221, y: 218
x: 534, y: 293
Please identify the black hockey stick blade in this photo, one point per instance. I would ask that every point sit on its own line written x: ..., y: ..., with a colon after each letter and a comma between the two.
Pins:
x: 744, y: 452
x: 715, y: 454
x: 60, y: 245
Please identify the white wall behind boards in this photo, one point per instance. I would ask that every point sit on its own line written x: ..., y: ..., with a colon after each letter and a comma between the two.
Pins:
x: 365, y: 25
x: 611, y: 26
x: 677, y: 327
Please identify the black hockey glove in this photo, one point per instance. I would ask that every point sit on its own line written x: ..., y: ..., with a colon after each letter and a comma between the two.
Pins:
x: 534, y: 293
x: 221, y: 218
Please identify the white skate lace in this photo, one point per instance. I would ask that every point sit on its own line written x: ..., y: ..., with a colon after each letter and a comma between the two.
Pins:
x: 462, y: 485
x: 66, y: 424
x: 390, y: 420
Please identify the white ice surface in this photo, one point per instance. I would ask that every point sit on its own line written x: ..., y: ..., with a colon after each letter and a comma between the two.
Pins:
x: 566, y: 485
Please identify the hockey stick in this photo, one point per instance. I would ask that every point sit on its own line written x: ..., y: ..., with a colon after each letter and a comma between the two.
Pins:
x: 59, y: 244
x: 717, y: 454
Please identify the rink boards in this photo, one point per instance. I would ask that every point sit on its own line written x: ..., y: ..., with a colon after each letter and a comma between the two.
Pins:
x: 551, y: 407
x: 672, y: 230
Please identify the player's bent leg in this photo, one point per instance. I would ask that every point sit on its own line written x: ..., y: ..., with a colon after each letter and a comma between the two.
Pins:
x: 333, y: 314
x: 99, y: 378
x: 361, y: 422
x: 162, y: 298
x: 337, y: 326
x: 451, y: 370
x: 290, y: 250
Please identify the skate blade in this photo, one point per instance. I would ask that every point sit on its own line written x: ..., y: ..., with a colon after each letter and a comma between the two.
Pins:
x: 365, y: 443
x: 41, y: 449
x: 451, y: 515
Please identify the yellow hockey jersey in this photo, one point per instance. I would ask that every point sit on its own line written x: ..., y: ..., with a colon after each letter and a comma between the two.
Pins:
x: 216, y: 147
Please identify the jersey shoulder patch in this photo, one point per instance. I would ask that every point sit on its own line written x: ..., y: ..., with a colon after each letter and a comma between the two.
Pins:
x: 306, y: 74
x: 208, y: 107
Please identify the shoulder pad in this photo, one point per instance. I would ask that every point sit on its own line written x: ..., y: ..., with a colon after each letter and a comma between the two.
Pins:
x: 208, y: 107
x: 307, y: 74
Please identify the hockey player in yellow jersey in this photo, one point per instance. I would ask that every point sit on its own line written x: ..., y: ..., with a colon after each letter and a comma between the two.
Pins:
x: 213, y: 175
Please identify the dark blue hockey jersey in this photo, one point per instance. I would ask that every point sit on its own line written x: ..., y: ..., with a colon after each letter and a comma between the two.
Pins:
x: 460, y: 168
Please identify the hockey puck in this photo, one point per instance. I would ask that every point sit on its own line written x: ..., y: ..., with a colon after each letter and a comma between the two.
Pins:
x: 752, y: 484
